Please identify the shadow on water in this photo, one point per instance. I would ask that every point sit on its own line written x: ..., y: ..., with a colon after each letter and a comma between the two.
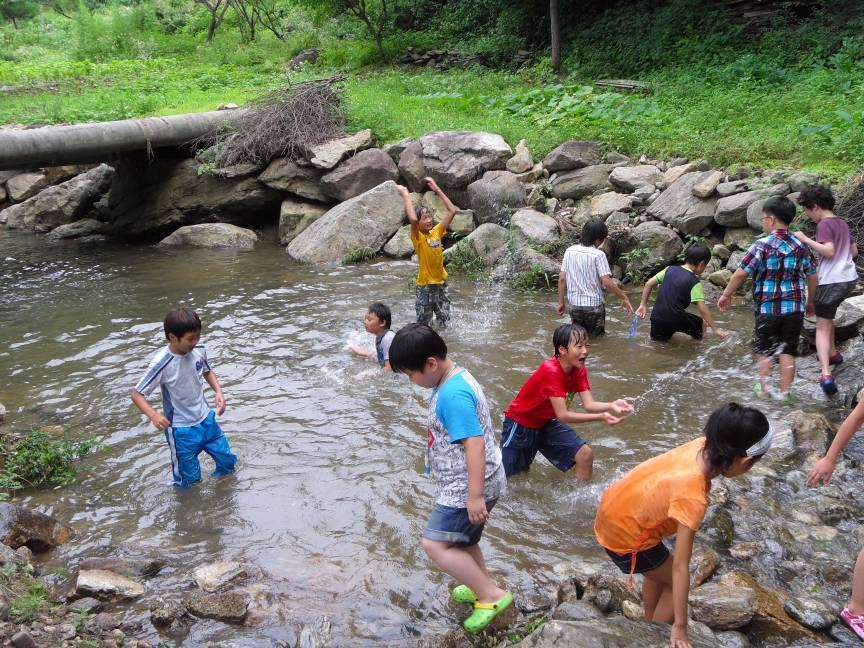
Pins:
x: 330, y: 497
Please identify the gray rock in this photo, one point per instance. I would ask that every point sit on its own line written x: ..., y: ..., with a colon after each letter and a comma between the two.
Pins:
x: 674, y: 172
x: 605, y: 204
x: 617, y: 219
x: 3, y: 195
x: 720, y: 278
x: 522, y: 160
x: 164, y: 612
x: 616, y: 158
x: 241, y: 170
x: 703, y: 564
x: 86, y: 605
x: 533, y: 174
x: 643, y: 194
x: 754, y: 214
x: 395, y: 150
x: 723, y: 608
x: 211, y: 235
x: 576, y: 611
x: 20, y: 526
x: 374, y: 216
x: 8, y: 555
x: 720, y: 251
x: 23, y: 639
x: 329, y: 154
x: 630, y: 178
x: 611, y: 632
x: 533, y: 226
x: 400, y: 245
x: 801, y: 180
x: 735, y: 260
x: 708, y: 185
x: 77, y: 229
x: 25, y: 185
x: 2, y: 412
x: 575, y: 154
x: 680, y: 208
x: 725, y: 189
x: 213, y: 576
x: 739, y: 238
x: 315, y: 634
x: 462, y: 223
x: 850, y: 316
x: 107, y: 584
x: 62, y: 203
x: 732, y: 639
x: 813, y: 613
x: 542, y: 270
x: 229, y: 606
x: 358, y: 174
x: 581, y: 182
x: 295, y: 216
x: 411, y: 166
x: 732, y: 210
x: 304, y: 181
x: 494, y: 197
x: 488, y: 241
x: 24, y: 554
x: 457, y: 158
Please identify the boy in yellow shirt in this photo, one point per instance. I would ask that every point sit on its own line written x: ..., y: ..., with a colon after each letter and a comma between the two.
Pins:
x: 427, y: 239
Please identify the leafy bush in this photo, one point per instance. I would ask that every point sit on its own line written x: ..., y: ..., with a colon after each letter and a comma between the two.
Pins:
x: 465, y: 261
x: 39, y: 460
x: 358, y: 255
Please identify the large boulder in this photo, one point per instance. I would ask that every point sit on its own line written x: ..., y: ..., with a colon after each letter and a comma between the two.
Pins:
x: 495, y: 196
x: 20, y: 527
x: 605, y: 204
x: 581, y: 182
x: 62, y: 203
x: 212, y: 576
x: 176, y: 195
x: 25, y: 185
x: 453, y: 158
x: 731, y: 211
x: 850, y: 316
x: 609, y: 632
x: 527, y: 268
x: 630, y: 178
x: 726, y: 189
x: 708, y: 185
x: 229, y: 606
x: 671, y: 174
x: 488, y: 241
x: 400, y: 245
x: 78, y: 229
x: 531, y: 225
x: 328, y: 154
x: 800, y: 181
x: 131, y: 567
x: 367, y: 221
x: 211, y: 235
x: 739, y: 238
x: 103, y: 583
x: 283, y: 174
x: 358, y: 174
x: 678, y: 206
x: 295, y: 216
x: 574, y: 154
x: 723, y: 607
x: 661, y: 244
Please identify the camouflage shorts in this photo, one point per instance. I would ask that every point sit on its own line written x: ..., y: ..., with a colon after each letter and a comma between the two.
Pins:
x: 592, y: 318
x: 432, y: 300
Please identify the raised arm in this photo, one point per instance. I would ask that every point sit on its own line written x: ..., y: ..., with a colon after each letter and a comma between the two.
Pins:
x: 448, y: 204
x: 409, y: 206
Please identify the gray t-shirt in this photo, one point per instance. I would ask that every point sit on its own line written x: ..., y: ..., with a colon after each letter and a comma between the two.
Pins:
x: 382, y: 346
x: 457, y: 411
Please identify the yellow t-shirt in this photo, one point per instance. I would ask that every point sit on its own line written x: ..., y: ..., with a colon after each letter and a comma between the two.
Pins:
x: 430, y: 255
x: 649, y: 502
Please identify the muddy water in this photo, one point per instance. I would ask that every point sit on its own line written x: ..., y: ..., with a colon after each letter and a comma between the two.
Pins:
x: 330, y: 497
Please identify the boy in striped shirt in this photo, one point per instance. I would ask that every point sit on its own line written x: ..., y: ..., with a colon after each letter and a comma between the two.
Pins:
x: 190, y: 425
x: 584, y: 275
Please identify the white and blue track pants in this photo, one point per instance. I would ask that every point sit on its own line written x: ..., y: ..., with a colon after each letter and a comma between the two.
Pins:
x: 186, y: 443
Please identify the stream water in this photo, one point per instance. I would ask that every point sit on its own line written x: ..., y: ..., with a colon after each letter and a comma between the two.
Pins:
x: 330, y: 496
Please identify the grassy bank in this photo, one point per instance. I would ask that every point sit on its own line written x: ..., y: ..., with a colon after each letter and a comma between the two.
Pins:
x: 763, y: 104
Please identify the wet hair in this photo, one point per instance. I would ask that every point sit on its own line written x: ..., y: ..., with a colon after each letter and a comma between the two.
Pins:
x: 730, y: 431
x: 594, y: 231
x: 418, y: 211
x: 180, y: 321
x: 382, y: 312
x: 566, y: 333
x: 817, y: 195
x: 412, y: 345
x: 780, y: 208
x: 696, y: 254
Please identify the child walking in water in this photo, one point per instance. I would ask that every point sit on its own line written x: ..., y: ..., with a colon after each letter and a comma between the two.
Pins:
x: 853, y: 613
x: 466, y: 462
x: 668, y: 495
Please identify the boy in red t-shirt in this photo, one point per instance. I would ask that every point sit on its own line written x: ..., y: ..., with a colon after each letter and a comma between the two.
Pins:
x: 537, y: 417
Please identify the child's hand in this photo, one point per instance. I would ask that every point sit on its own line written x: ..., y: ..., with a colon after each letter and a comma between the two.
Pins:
x: 724, y: 302
x: 477, y: 513
x: 560, y: 308
x: 403, y: 190
x: 823, y: 470
x: 612, y: 420
x: 641, y: 311
x: 220, y: 403
x: 160, y: 421
x: 627, y: 306
x: 621, y: 406
x: 432, y: 184
x: 679, y: 638
x: 720, y: 333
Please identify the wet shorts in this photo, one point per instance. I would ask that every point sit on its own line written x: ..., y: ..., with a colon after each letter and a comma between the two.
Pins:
x: 776, y: 334
x: 829, y: 297
x: 663, y: 330
x: 646, y: 561
x: 555, y: 441
x: 451, y: 524
x: 591, y: 318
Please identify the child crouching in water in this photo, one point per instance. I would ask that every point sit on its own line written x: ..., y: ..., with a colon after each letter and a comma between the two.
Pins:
x: 668, y: 495
x: 466, y: 461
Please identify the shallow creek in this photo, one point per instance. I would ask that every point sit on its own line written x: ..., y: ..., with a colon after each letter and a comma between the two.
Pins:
x: 330, y: 497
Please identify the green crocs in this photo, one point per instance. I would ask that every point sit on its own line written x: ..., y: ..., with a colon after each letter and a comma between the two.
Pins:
x: 485, y: 612
x: 760, y: 393
x: 463, y: 594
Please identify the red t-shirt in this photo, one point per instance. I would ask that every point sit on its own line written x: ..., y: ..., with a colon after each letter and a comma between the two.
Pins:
x: 531, y: 407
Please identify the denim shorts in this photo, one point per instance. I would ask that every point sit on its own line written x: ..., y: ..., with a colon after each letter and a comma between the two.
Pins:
x: 556, y: 441
x: 647, y: 560
x: 451, y: 524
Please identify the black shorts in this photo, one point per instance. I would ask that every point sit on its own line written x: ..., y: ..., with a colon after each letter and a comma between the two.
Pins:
x: 777, y: 334
x: 647, y: 560
x: 692, y: 325
x: 829, y: 297
x: 591, y: 318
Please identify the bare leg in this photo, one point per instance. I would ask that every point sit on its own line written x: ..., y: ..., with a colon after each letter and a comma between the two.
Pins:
x: 657, y: 593
x: 477, y: 555
x: 460, y: 564
x: 825, y: 342
x: 856, y: 603
x: 584, y: 463
x: 787, y: 372
x: 766, y: 367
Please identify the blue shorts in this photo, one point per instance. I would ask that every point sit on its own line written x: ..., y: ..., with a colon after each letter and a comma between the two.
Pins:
x: 451, y: 524
x: 556, y: 441
x: 186, y: 443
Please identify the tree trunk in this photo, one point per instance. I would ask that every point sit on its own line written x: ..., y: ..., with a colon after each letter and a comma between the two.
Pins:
x: 211, y: 31
x: 555, y: 28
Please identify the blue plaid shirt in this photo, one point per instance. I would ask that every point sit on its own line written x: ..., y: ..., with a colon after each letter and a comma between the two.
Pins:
x: 779, y: 264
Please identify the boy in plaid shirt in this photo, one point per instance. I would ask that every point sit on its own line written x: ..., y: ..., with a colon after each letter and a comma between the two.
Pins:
x: 780, y: 266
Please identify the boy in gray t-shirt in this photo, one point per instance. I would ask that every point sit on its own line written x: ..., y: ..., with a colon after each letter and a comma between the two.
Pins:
x: 837, y: 273
x: 464, y: 456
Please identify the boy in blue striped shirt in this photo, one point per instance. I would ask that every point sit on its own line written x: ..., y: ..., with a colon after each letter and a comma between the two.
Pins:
x: 190, y: 425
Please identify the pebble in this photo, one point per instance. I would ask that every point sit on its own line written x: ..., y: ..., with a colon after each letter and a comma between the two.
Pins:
x: 23, y: 640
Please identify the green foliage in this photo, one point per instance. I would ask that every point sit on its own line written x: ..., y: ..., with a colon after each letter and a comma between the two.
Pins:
x: 32, y: 598
x: 38, y: 460
x: 358, y: 255
x: 535, y: 278
x: 844, y: 134
x: 82, y: 617
x: 639, y: 264
x: 465, y: 261
x: 18, y: 10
